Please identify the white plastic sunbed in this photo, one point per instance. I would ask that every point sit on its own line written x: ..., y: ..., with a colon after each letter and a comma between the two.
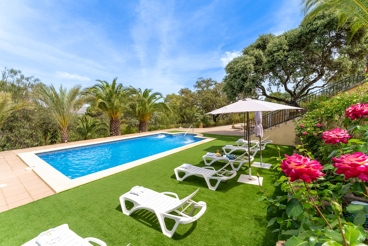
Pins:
x: 228, y: 149
x: 166, y: 205
x: 235, y: 164
x: 261, y: 146
x: 242, y: 145
x: 62, y: 236
x: 208, y: 173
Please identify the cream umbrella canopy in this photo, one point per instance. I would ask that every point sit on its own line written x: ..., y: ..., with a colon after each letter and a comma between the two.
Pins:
x: 250, y: 105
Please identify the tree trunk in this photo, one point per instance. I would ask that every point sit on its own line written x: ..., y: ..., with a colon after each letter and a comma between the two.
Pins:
x: 115, y: 127
x: 64, y: 135
x: 143, y: 126
x: 214, y: 117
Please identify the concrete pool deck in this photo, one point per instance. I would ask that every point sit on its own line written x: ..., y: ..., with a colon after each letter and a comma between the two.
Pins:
x: 20, y: 185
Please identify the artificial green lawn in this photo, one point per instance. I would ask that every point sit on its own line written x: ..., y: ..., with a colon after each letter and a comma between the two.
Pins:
x: 233, y: 217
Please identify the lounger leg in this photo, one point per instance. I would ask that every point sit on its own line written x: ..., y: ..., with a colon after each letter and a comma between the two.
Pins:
x: 186, y: 175
x: 211, y: 187
x: 124, y: 208
x: 207, y: 163
x: 165, y: 231
x: 235, y: 168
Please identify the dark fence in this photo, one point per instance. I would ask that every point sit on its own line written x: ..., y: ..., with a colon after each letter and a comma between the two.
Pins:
x: 277, y: 117
x: 333, y: 89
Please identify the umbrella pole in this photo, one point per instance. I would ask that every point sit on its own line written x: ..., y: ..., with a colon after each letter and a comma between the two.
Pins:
x: 248, y: 131
x: 244, y: 127
x: 260, y: 150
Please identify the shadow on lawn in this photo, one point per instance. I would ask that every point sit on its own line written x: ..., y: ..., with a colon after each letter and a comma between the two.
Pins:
x: 149, y: 219
x: 196, y: 182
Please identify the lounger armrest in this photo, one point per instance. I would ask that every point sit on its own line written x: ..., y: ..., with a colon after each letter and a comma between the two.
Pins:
x: 170, y: 194
x: 203, y: 206
x: 186, y: 219
x: 95, y: 240
x: 211, y: 168
x: 224, y: 167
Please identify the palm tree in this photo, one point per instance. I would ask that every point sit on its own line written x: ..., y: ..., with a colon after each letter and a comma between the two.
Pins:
x: 88, y: 127
x: 111, y: 99
x: 8, y: 106
x: 62, y: 105
x: 144, y: 104
x: 353, y: 11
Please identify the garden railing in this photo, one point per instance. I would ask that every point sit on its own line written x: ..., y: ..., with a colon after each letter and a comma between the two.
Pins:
x: 277, y: 117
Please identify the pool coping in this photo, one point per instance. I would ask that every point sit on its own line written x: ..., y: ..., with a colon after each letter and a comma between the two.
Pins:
x: 59, y: 182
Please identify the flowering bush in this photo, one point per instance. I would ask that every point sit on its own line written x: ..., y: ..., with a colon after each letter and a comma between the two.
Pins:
x: 326, y: 115
x: 311, y: 211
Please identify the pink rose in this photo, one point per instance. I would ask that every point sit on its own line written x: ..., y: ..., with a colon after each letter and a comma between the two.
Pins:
x: 352, y: 165
x: 335, y: 136
x: 300, y: 167
x: 359, y: 110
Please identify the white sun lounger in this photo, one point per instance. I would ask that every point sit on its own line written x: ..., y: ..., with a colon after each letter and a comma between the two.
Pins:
x: 235, y: 164
x: 164, y: 205
x: 62, y: 236
x: 208, y: 173
x: 261, y: 146
x: 228, y: 149
x: 210, y: 158
x: 242, y: 145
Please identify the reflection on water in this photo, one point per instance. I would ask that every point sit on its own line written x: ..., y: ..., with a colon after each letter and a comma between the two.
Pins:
x: 161, y: 136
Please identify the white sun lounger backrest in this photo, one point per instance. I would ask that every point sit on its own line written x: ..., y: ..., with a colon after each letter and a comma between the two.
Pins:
x: 185, y: 200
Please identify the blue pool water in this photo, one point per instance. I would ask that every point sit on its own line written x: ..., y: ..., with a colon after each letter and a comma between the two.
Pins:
x: 81, y: 161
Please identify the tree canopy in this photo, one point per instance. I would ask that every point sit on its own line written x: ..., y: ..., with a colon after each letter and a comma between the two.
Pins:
x: 62, y: 105
x: 111, y: 99
x: 355, y: 13
x: 296, y: 62
x: 144, y: 104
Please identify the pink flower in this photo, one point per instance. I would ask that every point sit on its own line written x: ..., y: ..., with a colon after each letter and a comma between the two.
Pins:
x: 352, y: 165
x: 357, y: 111
x: 318, y: 125
x: 300, y: 167
x: 301, y: 125
x: 304, y: 133
x: 335, y: 136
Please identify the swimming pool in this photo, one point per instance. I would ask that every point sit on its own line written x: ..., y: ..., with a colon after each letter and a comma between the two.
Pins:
x: 59, y: 181
x: 81, y: 161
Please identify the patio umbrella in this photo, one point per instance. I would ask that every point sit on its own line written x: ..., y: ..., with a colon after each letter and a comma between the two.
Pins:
x: 258, y: 131
x: 250, y: 105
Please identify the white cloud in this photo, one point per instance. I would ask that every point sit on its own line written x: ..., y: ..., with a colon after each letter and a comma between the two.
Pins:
x: 66, y: 75
x: 161, y: 45
x: 229, y: 56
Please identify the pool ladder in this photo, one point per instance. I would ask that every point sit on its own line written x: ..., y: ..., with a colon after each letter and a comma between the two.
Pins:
x: 191, y: 126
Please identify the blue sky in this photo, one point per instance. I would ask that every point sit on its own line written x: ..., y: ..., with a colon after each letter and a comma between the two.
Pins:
x: 164, y: 45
